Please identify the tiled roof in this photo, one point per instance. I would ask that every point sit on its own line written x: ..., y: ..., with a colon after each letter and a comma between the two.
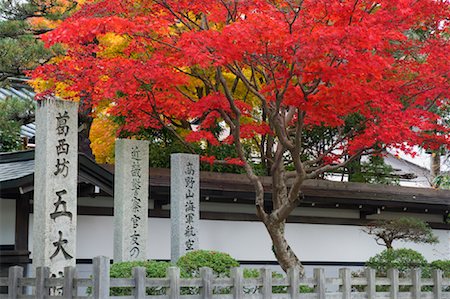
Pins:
x: 15, y: 170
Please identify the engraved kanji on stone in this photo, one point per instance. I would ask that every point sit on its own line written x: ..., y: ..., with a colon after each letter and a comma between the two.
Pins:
x: 189, y: 244
x: 134, y: 252
x: 189, y: 231
x: 136, y: 207
x: 60, y: 247
x: 189, y: 206
x: 61, y: 167
x: 62, y: 147
x: 135, y: 153
x: 136, y: 184
x: 59, y: 203
x: 61, y: 123
x: 136, y: 169
x: 189, y: 182
x: 189, y: 169
x: 189, y: 193
x: 189, y: 218
x: 135, y: 220
x: 135, y: 238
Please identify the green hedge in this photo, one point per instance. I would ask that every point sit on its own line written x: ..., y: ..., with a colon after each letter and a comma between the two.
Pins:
x: 401, y: 259
x: 124, y: 270
x: 190, y: 264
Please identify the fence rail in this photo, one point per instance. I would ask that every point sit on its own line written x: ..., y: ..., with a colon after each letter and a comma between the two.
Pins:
x: 207, y: 286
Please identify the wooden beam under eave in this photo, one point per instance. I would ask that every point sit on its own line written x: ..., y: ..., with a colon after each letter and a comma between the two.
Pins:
x: 22, y: 222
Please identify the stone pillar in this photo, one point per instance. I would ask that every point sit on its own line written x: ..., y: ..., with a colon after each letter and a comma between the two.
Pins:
x: 184, y: 204
x: 55, y: 185
x: 130, y: 200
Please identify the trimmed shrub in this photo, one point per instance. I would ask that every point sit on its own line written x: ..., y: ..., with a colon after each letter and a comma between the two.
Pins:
x: 401, y: 259
x: 443, y: 265
x: 125, y: 269
x: 219, y: 262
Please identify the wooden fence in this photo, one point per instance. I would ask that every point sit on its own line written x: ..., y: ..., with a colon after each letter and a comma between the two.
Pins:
x: 207, y: 286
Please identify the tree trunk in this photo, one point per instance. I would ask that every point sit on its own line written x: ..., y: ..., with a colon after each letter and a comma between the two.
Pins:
x: 435, y: 164
x: 283, y: 252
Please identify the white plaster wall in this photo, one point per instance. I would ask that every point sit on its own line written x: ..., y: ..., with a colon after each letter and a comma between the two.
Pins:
x: 250, y: 241
x: 7, y: 221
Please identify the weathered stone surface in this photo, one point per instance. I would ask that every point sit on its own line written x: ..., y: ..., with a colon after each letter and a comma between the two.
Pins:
x: 184, y: 204
x: 55, y: 185
x: 130, y: 200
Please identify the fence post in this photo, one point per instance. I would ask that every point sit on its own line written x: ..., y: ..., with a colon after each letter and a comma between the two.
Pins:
x: 437, y: 286
x: 346, y: 287
x: 206, y: 290
x: 294, y: 282
x: 266, y: 276
x: 41, y: 274
x: 319, y: 276
x: 101, y: 277
x: 14, y: 274
x: 238, y: 284
x: 371, y: 288
x: 393, y: 289
x: 174, y: 283
x: 416, y: 288
x: 139, y: 274
x: 69, y: 276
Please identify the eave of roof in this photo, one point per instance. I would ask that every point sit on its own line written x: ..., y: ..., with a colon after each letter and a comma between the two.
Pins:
x: 226, y: 186
x: 17, y: 171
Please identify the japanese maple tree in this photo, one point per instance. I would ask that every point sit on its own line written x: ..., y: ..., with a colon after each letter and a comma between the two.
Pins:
x: 270, y: 74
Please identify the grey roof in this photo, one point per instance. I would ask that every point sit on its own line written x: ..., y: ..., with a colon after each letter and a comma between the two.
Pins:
x: 20, y: 92
x: 16, y: 170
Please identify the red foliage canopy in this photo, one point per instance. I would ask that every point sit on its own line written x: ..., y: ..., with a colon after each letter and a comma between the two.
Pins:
x: 301, y: 64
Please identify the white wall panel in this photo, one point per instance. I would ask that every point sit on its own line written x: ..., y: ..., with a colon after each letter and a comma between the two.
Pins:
x: 7, y: 221
x: 249, y: 240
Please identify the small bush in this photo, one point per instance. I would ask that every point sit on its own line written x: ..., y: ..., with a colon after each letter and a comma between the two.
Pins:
x: 443, y: 265
x: 401, y: 259
x: 219, y: 262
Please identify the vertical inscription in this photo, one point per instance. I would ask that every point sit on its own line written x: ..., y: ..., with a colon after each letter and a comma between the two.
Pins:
x: 189, y: 207
x: 184, y: 204
x: 62, y: 169
x: 55, y: 185
x: 136, y: 183
x: 131, y: 200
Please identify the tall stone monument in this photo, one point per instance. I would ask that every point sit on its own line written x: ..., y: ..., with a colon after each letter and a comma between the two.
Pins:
x: 130, y: 200
x: 55, y: 185
x: 184, y: 204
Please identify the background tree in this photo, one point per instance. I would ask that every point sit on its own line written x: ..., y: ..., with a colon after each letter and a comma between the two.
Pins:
x: 21, y: 22
x: 15, y: 113
x: 407, y: 229
x: 21, y: 50
x: 342, y: 66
